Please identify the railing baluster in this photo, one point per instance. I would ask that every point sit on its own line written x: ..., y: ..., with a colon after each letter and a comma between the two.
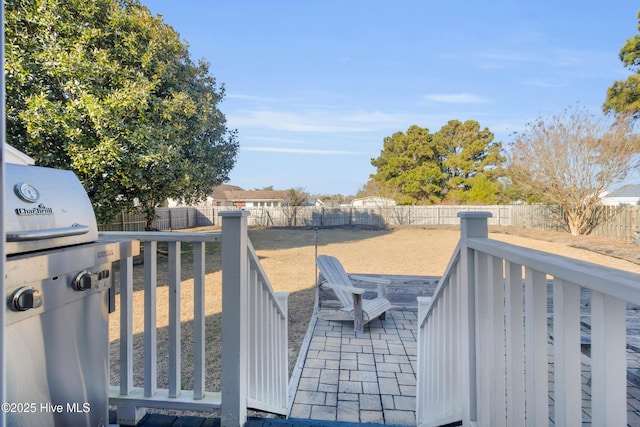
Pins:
x: 567, y: 355
x: 449, y: 369
x: 268, y: 342
x: 490, y: 345
x: 433, y: 369
x: 496, y: 320
x: 254, y: 333
x: 608, y: 361
x: 126, y: 325
x: 429, y: 384
x: 483, y: 344
x: 274, y: 347
x: 432, y: 350
x: 514, y: 344
x: 262, y: 348
x: 537, y: 366
x: 454, y: 389
x: 150, y: 325
x: 440, y: 356
x: 174, y: 320
x: 198, y: 320
x: 435, y: 355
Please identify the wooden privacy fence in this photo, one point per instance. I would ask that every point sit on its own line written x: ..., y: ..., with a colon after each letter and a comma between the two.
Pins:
x: 622, y: 223
x: 166, y: 219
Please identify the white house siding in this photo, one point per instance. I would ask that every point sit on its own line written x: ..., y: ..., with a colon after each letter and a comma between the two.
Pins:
x: 628, y: 195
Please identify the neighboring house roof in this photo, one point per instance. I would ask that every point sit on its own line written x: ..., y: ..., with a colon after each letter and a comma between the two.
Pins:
x: 632, y: 190
x: 257, y: 195
x: 233, y: 193
x: 627, y: 195
x: 219, y: 192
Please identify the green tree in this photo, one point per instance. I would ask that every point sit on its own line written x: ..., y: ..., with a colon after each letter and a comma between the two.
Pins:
x: 470, y: 159
x: 109, y: 91
x: 421, y: 167
x: 624, y: 96
x: 482, y: 189
x: 409, y: 163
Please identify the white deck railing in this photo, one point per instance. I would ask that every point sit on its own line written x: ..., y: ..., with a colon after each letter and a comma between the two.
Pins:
x: 254, y: 330
x: 483, y: 340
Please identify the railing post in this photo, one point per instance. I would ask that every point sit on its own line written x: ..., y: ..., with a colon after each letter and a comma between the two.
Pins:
x: 235, y: 320
x: 472, y: 225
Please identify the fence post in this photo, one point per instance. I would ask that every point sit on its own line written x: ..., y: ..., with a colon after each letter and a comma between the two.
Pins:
x: 472, y: 225
x: 235, y: 334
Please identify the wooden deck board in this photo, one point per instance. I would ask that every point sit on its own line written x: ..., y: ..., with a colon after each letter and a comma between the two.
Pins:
x: 401, y: 292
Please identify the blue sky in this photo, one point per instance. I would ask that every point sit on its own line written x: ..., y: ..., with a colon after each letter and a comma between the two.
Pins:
x: 313, y: 87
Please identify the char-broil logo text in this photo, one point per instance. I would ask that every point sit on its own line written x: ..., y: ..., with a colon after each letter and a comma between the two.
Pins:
x: 38, y: 210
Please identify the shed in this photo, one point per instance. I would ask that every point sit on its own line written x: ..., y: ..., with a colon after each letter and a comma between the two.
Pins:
x: 373, y: 202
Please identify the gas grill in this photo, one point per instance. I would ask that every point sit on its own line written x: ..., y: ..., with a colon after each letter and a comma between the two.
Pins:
x: 58, y: 280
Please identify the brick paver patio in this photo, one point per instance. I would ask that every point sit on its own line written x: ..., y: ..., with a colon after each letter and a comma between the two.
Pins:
x: 368, y: 377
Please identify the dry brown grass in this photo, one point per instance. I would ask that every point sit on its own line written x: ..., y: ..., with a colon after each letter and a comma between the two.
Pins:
x: 287, y: 256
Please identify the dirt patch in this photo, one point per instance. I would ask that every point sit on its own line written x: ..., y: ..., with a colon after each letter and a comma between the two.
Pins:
x: 287, y: 256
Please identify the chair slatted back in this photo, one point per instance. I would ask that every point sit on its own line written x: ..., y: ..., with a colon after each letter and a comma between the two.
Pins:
x: 333, y: 272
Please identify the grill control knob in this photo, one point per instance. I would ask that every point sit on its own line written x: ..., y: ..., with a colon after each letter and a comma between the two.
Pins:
x: 25, y: 298
x: 84, y: 280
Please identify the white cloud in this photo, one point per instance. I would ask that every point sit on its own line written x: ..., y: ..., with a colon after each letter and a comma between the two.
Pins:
x: 253, y: 98
x: 561, y: 58
x: 507, y: 56
x: 544, y: 83
x: 301, y: 151
x: 273, y: 139
x: 314, y: 121
x: 457, y: 98
x: 317, y: 121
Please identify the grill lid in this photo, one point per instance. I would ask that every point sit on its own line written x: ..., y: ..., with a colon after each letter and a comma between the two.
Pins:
x: 45, y: 208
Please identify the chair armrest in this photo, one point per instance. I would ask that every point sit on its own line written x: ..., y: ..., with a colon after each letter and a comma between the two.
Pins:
x: 351, y: 289
x: 378, y: 280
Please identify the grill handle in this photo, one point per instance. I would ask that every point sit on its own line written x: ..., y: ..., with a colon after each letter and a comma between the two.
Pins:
x: 50, y: 233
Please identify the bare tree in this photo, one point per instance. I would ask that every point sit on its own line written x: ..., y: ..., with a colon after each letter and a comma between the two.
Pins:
x: 379, y: 189
x: 294, y: 198
x: 571, y: 159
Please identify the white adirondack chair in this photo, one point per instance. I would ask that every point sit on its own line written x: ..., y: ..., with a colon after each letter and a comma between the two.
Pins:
x: 350, y: 297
